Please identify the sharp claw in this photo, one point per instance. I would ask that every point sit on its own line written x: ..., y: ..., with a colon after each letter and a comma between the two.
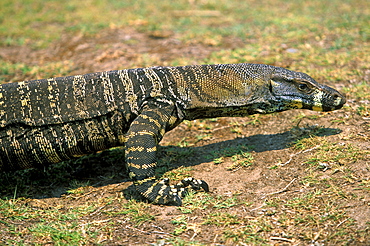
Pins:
x: 205, y: 186
x: 166, y: 181
x: 196, y: 184
x: 176, y: 201
x: 172, y: 200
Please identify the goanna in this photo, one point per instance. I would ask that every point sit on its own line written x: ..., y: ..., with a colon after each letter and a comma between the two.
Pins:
x: 51, y: 120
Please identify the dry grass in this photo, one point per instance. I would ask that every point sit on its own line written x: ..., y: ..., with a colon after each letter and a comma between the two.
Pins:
x: 295, y: 178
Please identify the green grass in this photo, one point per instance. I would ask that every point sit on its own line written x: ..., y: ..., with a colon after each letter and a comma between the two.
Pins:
x: 331, y: 37
x: 40, y: 22
x: 53, y: 224
x: 18, y: 71
x: 66, y: 225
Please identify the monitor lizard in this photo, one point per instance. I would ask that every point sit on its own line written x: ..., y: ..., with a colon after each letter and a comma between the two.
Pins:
x: 51, y: 120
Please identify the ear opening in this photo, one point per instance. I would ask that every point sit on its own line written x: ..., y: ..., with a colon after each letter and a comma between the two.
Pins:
x: 270, y: 85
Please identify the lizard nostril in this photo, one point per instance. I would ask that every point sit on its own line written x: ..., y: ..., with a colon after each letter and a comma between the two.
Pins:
x: 339, y: 99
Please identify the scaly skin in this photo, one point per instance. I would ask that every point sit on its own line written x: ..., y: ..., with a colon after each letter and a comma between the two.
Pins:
x: 51, y: 120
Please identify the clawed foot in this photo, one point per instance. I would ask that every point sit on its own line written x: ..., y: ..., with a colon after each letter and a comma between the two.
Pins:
x: 194, y: 184
x: 163, y: 193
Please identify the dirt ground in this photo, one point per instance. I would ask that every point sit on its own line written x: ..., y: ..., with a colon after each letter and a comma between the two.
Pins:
x: 270, y: 138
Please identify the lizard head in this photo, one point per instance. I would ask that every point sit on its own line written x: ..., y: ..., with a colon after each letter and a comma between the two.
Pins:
x: 298, y: 90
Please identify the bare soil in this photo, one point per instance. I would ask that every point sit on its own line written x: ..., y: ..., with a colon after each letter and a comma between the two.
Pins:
x: 270, y: 139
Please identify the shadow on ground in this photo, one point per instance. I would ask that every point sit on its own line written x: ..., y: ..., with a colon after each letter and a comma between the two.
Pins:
x: 107, y: 167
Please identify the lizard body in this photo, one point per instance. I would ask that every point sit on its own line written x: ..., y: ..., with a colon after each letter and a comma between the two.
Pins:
x: 51, y: 120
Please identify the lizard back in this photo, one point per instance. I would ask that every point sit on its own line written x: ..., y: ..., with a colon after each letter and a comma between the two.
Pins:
x: 59, y: 100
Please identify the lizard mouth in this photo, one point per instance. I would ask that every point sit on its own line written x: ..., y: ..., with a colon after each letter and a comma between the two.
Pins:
x: 332, y: 100
x: 328, y: 104
x: 319, y: 101
x: 333, y: 103
x: 340, y: 101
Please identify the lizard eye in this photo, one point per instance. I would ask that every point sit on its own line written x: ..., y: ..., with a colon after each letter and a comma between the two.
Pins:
x: 303, y: 87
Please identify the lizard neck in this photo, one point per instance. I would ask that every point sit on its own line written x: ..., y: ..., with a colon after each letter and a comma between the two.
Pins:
x: 222, y: 90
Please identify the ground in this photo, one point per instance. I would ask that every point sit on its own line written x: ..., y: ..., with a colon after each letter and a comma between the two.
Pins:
x: 291, y: 178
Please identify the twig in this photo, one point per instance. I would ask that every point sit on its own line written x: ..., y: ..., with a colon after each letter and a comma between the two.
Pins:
x: 264, y: 204
x: 97, y: 210
x: 317, y: 235
x: 220, y: 128
x: 215, y: 239
x: 155, y: 226
x: 281, y: 239
x: 161, y: 232
x: 283, y: 190
x: 342, y: 222
x: 95, y: 222
x: 193, y: 236
x: 132, y: 228
x: 298, y: 153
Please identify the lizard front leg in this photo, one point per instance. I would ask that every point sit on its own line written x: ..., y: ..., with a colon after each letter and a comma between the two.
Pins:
x: 142, y: 139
